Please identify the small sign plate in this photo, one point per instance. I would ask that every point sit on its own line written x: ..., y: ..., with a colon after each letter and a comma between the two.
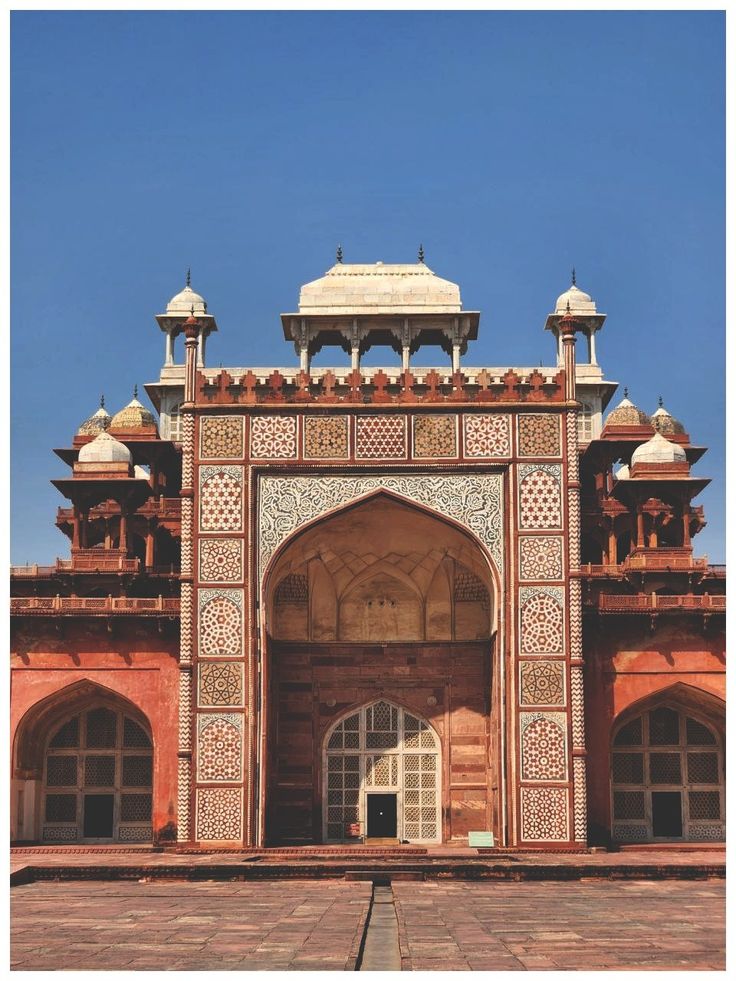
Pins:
x: 481, y: 839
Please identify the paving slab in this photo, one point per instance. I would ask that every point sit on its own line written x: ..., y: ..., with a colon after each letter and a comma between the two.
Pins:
x: 603, y: 925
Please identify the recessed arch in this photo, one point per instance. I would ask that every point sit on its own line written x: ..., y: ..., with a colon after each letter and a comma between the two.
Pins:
x: 83, y: 768
x: 667, y: 767
x: 382, y: 537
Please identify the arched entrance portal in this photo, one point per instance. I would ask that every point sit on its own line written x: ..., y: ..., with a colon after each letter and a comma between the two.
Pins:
x: 381, y: 776
x: 380, y: 604
x: 667, y: 777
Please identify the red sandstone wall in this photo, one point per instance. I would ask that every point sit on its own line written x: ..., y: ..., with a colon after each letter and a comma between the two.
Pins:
x: 305, y: 677
x: 624, y: 664
x: 138, y: 664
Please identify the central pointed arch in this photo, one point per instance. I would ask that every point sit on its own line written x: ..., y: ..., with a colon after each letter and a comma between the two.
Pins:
x: 377, y: 592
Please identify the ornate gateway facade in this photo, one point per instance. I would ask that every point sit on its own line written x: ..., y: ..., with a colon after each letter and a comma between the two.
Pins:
x: 326, y: 605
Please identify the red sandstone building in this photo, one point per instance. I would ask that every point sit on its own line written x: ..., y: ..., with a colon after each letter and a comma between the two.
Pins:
x: 324, y: 605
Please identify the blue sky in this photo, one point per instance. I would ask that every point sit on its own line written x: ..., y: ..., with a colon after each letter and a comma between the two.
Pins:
x: 247, y: 145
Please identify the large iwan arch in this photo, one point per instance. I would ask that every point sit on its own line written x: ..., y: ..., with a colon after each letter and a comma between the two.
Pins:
x: 382, y: 602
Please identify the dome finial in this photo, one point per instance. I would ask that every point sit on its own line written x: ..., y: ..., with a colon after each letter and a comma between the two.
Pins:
x: 573, y: 276
x: 102, y: 401
x: 420, y: 255
x: 338, y: 254
x: 660, y: 403
x: 135, y: 391
x: 189, y: 277
x: 626, y: 392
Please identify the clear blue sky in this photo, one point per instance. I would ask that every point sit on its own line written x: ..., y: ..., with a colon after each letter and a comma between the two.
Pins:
x: 247, y: 145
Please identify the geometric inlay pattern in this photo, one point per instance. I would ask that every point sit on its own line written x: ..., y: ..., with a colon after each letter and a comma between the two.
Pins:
x: 219, y: 814
x: 540, y: 500
x: 221, y: 684
x: 539, y: 435
x: 435, y: 436
x: 221, y: 437
x: 541, y: 620
x: 541, y: 683
x: 544, y: 814
x: 540, y: 558
x: 221, y: 560
x: 273, y: 437
x: 220, y: 756
x: 543, y: 746
x: 287, y: 503
x: 326, y: 437
x: 220, y: 622
x: 487, y: 435
x: 381, y: 436
x: 221, y: 498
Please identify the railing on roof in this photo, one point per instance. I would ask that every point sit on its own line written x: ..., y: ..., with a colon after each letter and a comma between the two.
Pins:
x: 95, y: 604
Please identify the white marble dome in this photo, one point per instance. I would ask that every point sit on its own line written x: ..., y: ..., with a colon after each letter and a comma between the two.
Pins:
x: 658, y: 450
x: 580, y: 302
x: 181, y: 304
x: 105, y: 449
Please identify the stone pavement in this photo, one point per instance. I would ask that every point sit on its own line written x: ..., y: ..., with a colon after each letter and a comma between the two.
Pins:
x: 643, y: 925
x: 130, y: 926
x: 307, y: 925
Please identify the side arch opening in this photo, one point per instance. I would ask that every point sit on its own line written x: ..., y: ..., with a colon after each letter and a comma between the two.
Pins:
x: 667, y: 769
x: 83, y: 769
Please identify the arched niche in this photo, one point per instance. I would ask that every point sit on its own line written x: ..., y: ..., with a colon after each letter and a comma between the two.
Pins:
x: 667, y: 768
x: 60, y: 759
x: 380, y: 570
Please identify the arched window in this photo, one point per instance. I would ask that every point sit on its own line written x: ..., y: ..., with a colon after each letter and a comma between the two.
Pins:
x: 175, y: 430
x: 97, y: 779
x: 667, y: 779
x: 585, y: 422
x: 381, y: 776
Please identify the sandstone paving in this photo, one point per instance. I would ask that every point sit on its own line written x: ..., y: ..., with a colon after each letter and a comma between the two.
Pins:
x: 187, y: 926
x: 601, y: 925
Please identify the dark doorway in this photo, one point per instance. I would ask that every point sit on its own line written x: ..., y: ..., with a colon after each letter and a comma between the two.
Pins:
x: 98, y: 815
x: 666, y: 814
x: 381, y: 816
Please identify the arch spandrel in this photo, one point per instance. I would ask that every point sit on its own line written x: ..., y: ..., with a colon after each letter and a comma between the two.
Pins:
x: 287, y: 504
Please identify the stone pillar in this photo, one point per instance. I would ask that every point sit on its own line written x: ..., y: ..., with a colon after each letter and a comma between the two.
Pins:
x: 185, y: 831
x: 592, y: 348
x: 150, y: 541
x: 568, y: 326
x: 169, y: 359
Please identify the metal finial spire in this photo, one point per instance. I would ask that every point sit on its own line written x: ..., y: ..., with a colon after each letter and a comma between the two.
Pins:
x: 420, y: 256
x: 135, y: 391
x: 338, y: 254
x: 626, y: 393
x: 660, y: 403
x: 102, y: 401
x: 189, y: 276
x: 573, y: 276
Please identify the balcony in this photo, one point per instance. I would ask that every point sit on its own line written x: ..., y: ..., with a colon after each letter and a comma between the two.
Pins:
x: 664, y: 560
x: 654, y: 603
x: 100, y: 605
